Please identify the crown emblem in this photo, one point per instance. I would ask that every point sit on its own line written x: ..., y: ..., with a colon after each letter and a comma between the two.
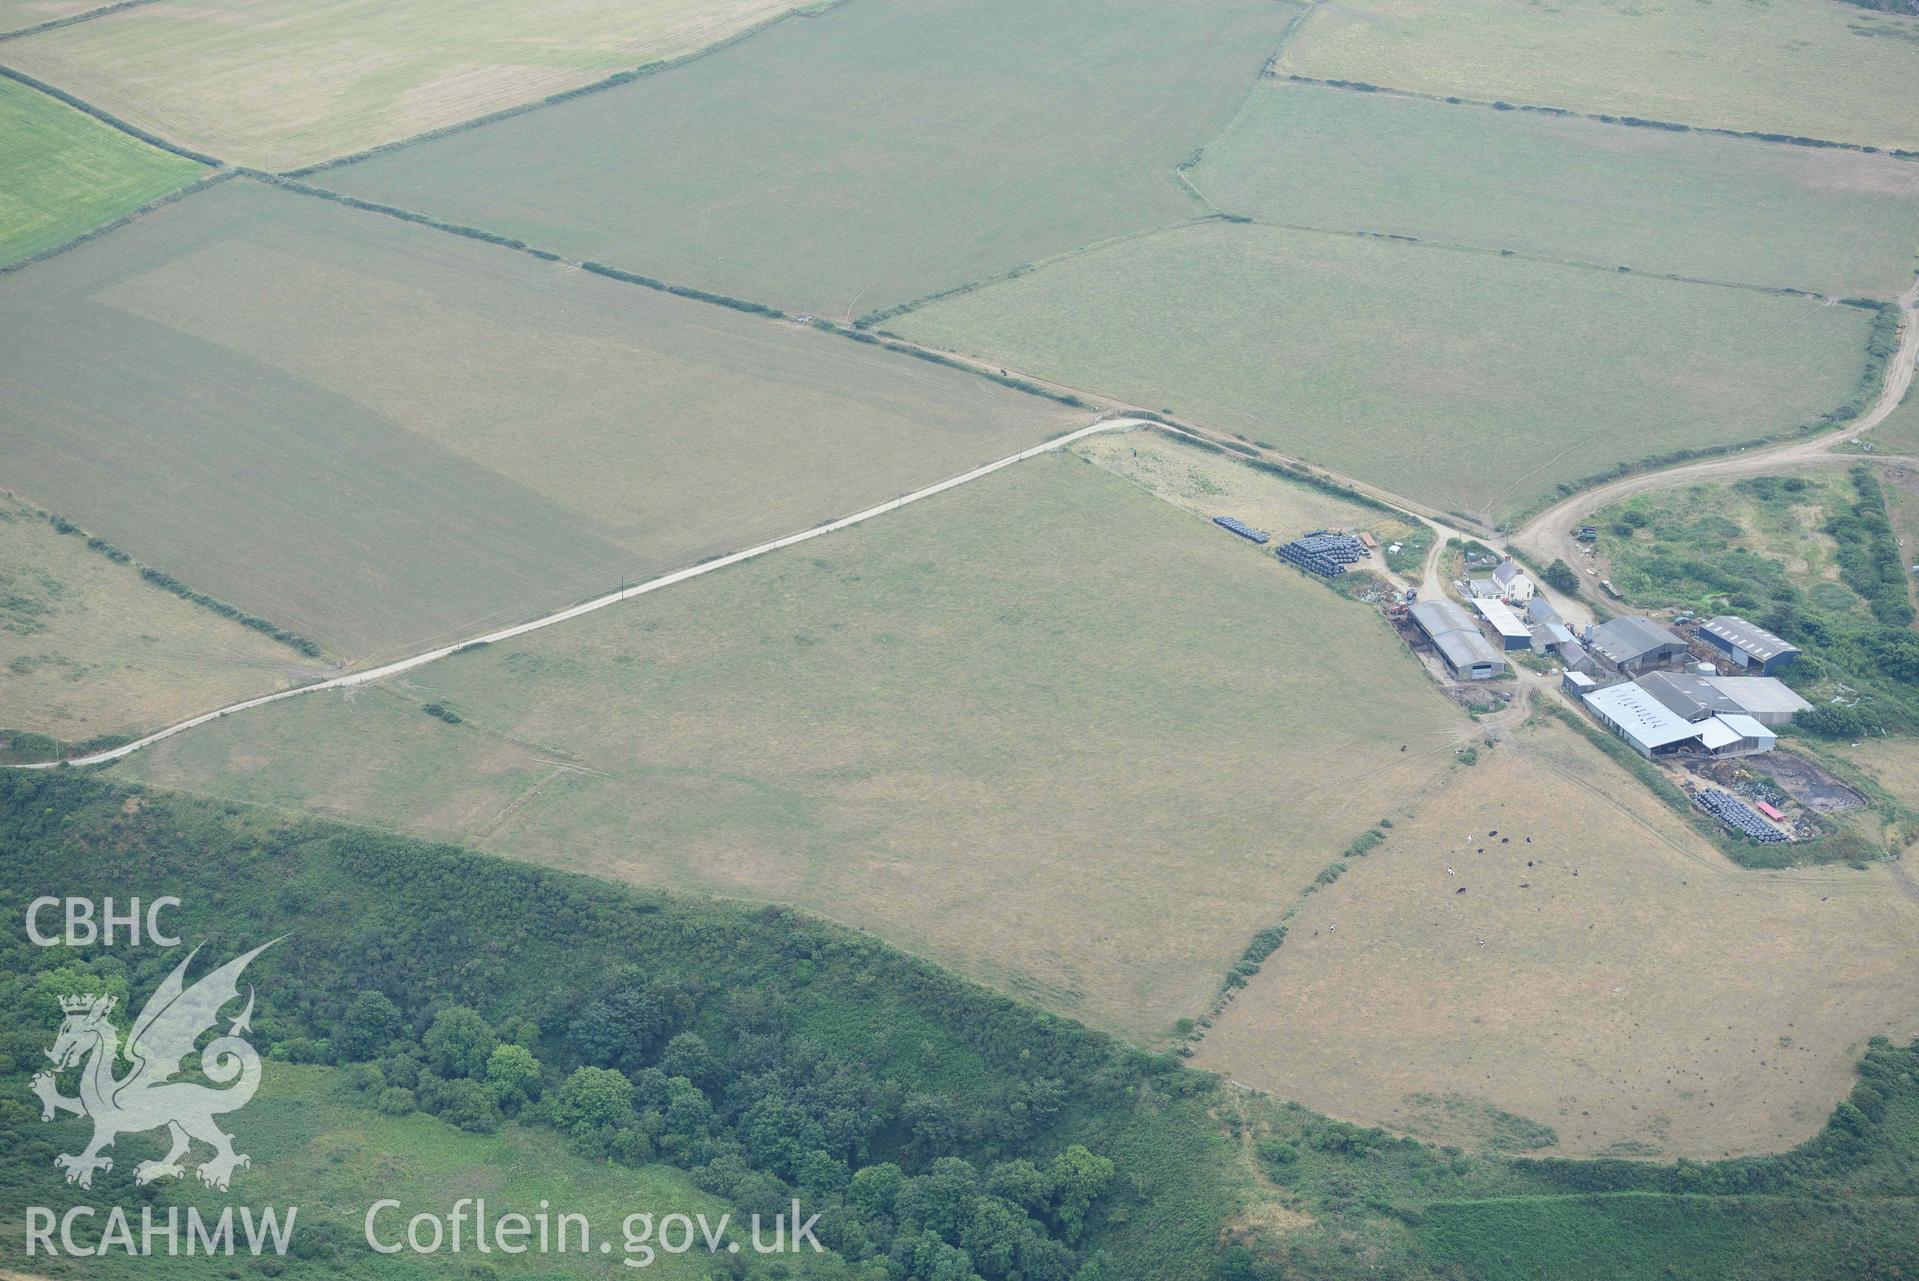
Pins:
x: 81, y: 1004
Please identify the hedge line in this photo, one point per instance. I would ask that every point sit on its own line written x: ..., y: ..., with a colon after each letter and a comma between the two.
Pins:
x: 104, y: 117
x: 165, y: 581
x: 1632, y: 122
x: 179, y: 193
x: 613, y: 81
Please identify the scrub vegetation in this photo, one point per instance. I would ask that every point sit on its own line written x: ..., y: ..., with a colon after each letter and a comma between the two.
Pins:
x: 1810, y: 557
x: 1015, y: 1143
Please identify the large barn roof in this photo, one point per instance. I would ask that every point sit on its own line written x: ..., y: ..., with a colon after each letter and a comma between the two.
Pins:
x: 1754, y: 640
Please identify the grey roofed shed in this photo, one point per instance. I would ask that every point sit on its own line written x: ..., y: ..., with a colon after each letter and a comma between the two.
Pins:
x: 1459, y: 642
x: 1629, y: 640
x: 1752, y: 644
x: 1692, y: 697
x: 1766, y: 699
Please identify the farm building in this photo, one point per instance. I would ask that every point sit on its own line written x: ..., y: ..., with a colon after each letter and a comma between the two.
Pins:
x: 1629, y: 644
x: 1512, y: 582
x: 1656, y: 728
x: 1540, y: 610
x: 1652, y: 728
x: 1547, y: 637
x: 1578, y: 683
x: 1575, y: 657
x: 1747, y: 645
x: 1482, y: 589
x: 1468, y: 655
x: 1512, y: 633
x: 1764, y: 698
x: 1692, y: 697
x: 1735, y: 735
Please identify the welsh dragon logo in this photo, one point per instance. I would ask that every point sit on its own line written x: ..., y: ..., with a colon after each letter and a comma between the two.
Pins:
x: 147, y: 1097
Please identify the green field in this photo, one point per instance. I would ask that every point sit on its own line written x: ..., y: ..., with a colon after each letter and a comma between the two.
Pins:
x: 63, y: 173
x: 1045, y: 728
x: 1812, y: 67
x: 1468, y: 381
x: 87, y: 648
x: 380, y: 435
x: 1697, y: 205
x: 279, y: 83
x: 878, y: 152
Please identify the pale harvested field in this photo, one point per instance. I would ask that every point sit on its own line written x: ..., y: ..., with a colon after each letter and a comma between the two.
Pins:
x: 88, y: 648
x: 16, y: 15
x: 382, y: 436
x: 1893, y: 762
x: 1044, y: 728
x: 281, y: 83
x: 1643, y: 997
x: 1829, y: 70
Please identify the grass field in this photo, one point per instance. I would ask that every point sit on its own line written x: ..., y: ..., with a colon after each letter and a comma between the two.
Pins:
x: 878, y: 152
x: 1045, y: 728
x: 380, y: 435
x: 1696, y: 205
x: 1793, y: 66
x: 87, y: 648
x: 317, y: 1145
x: 1471, y: 382
x: 280, y: 83
x: 1899, y: 433
x: 1634, y: 991
x: 63, y: 173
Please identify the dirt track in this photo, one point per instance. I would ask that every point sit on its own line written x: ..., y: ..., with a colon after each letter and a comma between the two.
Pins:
x: 1549, y: 535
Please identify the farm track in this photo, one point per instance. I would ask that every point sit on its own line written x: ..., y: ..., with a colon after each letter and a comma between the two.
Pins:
x: 385, y: 670
x: 1549, y: 535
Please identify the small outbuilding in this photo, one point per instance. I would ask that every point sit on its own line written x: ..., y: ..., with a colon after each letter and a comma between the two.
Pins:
x: 1512, y: 633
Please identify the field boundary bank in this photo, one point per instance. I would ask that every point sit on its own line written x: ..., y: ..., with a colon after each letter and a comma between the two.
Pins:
x: 106, y: 117
x: 1627, y: 122
x: 644, y: 71
x: 178, y: 194
x: 711, y: 565
x: 931, y: 355
x: 72, y: 19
